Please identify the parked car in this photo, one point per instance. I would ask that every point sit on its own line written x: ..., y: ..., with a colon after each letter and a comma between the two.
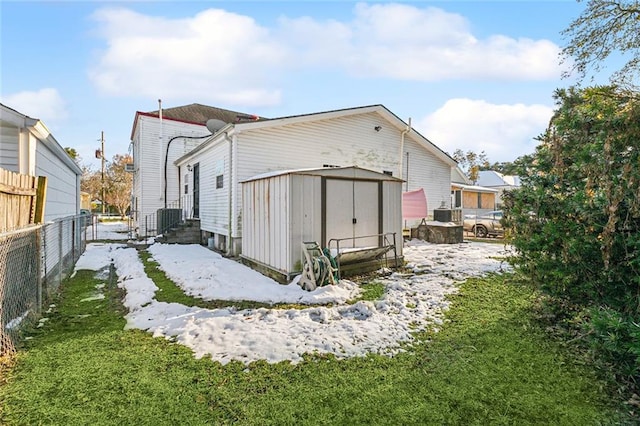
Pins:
x: 488, y: 224
x: 86, y: 217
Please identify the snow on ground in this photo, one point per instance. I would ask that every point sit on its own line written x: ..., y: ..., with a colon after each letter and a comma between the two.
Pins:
x: 205, y: 274
x: 412, y: 301
x: 108, y: 231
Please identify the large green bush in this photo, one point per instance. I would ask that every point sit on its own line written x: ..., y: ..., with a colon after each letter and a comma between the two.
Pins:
x: 575, y: 222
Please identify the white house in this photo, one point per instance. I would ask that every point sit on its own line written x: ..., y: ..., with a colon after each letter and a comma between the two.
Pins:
x: 498, y: 181
x: 158, y: 138
x: 369, y: 137
x: 28, y: 147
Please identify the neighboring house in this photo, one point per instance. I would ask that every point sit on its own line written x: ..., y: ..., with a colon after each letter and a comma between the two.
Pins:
x: 158, y: 139
x: 28, y: 147
x: 473, y: 199
x: 85, y: 200
x: 497, y: 181
x: 369, y: 137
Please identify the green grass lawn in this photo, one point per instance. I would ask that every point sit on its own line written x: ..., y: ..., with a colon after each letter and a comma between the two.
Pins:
x: 489, y: 364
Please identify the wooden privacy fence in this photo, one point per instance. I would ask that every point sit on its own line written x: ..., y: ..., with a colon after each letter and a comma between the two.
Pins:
x: 22, y: 199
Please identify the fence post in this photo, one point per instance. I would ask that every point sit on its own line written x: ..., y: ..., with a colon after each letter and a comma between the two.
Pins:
x: 60, y: 270
x: 41, y: 196
x: 38, y: 238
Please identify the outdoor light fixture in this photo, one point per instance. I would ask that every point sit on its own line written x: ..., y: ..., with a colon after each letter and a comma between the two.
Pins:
x: 189, y: 167
x: 377, y: 128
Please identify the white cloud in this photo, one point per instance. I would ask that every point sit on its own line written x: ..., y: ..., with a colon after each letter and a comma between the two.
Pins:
x: 214, y: 56
x: 44, y: 104
x: 425, y: 44
x: 218, y: 56
x: 503, y: 132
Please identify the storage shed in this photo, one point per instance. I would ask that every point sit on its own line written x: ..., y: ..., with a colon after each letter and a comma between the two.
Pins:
x: 355, y: 212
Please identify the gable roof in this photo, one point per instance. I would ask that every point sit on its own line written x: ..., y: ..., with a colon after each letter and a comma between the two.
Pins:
x: 377, y: 108
x: 10, y: 117
x: 196, y: 114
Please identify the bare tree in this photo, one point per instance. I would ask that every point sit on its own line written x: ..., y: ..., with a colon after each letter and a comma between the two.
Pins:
x: 471, y: 163
x: 118, y: 184
x: 606, y: 27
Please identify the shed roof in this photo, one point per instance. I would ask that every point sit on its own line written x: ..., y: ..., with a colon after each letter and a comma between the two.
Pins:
x: 346, y: 171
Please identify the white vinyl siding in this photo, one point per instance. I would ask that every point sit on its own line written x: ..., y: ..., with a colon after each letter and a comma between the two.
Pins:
x: 343, y: 141
x: 214, y: 202
x: 9, y: 148
x: 63, y: 189
x: 149, y: 160
x: 427, y: 172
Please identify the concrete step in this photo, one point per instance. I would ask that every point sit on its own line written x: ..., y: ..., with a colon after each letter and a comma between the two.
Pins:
x: 185, y: 233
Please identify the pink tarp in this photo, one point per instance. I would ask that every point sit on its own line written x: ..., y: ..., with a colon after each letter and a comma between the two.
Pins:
x: 414, y: 204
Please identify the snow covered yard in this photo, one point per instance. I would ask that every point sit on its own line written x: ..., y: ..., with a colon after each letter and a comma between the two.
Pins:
x: 411, y: 302
x: 115, y: 230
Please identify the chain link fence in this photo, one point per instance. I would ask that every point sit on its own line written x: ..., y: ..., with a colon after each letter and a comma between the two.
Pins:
x: 33, y: 263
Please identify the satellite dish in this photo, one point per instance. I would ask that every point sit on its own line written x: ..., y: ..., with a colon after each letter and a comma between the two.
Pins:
x: 214, y: 125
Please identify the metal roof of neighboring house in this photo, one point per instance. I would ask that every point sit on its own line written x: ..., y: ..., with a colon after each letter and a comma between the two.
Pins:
x: 197, y: 114
x: 492, y: 178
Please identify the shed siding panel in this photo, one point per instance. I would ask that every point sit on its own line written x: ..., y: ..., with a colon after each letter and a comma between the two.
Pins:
x: 266, y: 220
x: 306, y: 225
x: 392, y: 216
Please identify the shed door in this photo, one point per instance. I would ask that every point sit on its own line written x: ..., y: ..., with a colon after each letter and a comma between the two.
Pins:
x: 352, y: 210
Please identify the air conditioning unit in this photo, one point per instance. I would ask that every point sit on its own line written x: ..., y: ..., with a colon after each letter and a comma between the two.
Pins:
x: 129, y: 167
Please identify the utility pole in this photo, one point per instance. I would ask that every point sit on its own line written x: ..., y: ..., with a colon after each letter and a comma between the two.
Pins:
x: 100, y: 154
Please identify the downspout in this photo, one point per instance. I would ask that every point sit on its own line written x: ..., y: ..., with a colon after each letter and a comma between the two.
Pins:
x: 402, y: 134
x: 230, y: 239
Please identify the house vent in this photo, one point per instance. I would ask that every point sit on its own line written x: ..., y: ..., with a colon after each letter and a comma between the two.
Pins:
x: 129, y: 167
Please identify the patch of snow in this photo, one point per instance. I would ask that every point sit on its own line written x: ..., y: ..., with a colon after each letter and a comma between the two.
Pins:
x: 411, y: 302
x: 14, y: 323
x: 203, y: 273
x: 93, y: 297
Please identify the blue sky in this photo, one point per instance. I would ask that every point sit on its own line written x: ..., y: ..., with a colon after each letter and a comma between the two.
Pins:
x: 475, y: 75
